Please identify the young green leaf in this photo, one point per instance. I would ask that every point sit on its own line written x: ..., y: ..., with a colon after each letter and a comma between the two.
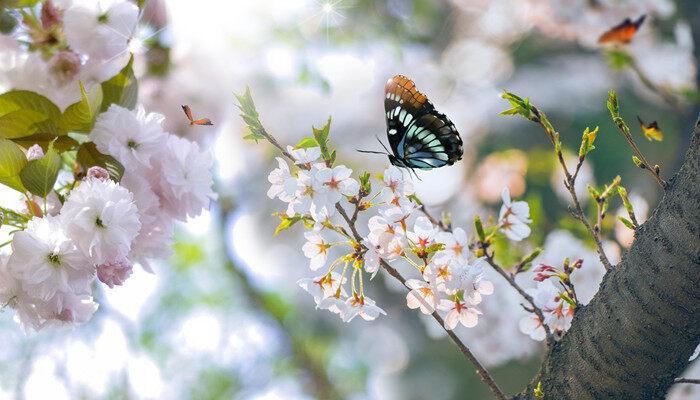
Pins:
x: 286, y: 223
x: 12, y: 160
x: 626, y: 222
x: 122, y: 89
x: 322, y: 138
x: 39, y: 176
x: 306, y: 143
x: 23, y: 113
x: 80, y: 117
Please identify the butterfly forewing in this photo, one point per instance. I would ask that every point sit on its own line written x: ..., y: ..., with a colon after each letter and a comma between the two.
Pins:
x: 420, y: 136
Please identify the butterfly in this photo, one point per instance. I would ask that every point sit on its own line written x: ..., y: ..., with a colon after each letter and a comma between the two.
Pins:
x: 651, y: 131
x: 622, y: 33
x: 420, y: 137
x: 202, y: 121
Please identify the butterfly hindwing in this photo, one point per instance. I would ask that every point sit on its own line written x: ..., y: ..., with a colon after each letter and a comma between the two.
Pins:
x: 419, y: 136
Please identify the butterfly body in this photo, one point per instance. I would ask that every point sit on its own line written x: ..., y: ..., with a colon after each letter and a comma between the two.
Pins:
x: 420, y: 137
x: 623, y: 32
x: 193, y: 122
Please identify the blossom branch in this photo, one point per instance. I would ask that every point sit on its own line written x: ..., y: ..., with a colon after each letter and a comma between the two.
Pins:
x: 524, y: 108
x: 639, y: 159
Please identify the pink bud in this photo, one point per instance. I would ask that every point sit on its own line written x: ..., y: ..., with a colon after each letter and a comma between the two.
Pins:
x: 35, y: 152
x: 541, y: 277
x: 98, y: 173
x: 66, y: 315
x: 50, y: 16
x: 545, y: 268
x: 114, y: 272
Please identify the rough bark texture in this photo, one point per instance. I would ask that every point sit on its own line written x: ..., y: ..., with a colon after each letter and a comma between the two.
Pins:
x: 638, y: 332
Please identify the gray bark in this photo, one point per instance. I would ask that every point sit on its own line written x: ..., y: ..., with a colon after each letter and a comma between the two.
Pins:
x: 638, y: 332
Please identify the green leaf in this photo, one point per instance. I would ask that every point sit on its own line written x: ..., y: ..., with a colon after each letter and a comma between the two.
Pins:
x: 88, y: 156
x: 321, y: 135
x: 39, y: 176
x: 520, y: 106
x: 12, y: 160
x: 24, y: 113
x: 306, y: 143
x: 80, y: 117
x: 365, y: 183
x: 122, y: 89
x: 250, y: 116
x: 626, y: 222
x: 286, y: 223
x: 618, y: 59
x: 22, y: 3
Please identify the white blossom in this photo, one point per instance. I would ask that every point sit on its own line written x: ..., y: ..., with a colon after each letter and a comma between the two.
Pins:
x: 395, y: 186
x: 310, y: 193
x: 456, y: 243
x: 132, y: 137
x: 514, y: 217
x: 459, y: 312
x: 338, y: 182
x: 305, y: 156
x: 322, y: 286
x: 372, y: 259
x: 316, y: 249
x: 363, y: 306
x: 422, y: 234
x: 99, y: 28
x: 186, y: 189
x: 46, y: 261
x: 102, y: 219
x: 423, y: 295
x: 284, y: 185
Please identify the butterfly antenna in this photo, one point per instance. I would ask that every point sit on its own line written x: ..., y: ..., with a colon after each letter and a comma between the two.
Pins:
x: 371, y: 152
x: 380, y: 142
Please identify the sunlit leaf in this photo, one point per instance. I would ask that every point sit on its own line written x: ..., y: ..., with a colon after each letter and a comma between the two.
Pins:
x: 12, y: 160
x: 39, y: 176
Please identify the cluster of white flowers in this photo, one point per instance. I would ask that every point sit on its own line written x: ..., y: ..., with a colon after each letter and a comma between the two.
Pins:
x: 102, y: 226
x: 451, y: 279
x: 86, y: 41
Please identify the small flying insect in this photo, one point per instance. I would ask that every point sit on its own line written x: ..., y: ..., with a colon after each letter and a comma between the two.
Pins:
x: 193, y: 122
x: 651, y: 131
x: 622, y: 33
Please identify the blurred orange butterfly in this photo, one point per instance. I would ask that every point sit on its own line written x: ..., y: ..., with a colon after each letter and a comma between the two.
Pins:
x: 622, y: 33
x: 203, y: 121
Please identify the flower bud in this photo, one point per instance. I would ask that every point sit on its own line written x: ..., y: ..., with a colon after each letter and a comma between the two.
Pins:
x: 98, y: 172
x: 114, y: 272
x: 35, y: 153
x: 50, y: 16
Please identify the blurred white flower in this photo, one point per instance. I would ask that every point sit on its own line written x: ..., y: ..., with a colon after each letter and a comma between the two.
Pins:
x: 372, y: 258
x: 100, y: 29
x: 46, y: 261
x: 623, y: 234
x: 102, y: 219
x: 310, y: 193
x: 456, y: 243
x: 514, y: 217
x: 316, y: 249
x: 132, y: 137
x: 187, y: 185
x: 585, y: 177
x: 363, y: 306
x: 531, y: 325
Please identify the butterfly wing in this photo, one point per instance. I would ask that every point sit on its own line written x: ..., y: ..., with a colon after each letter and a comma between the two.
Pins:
x: 622, y: 33
x: 203, y: 121
x: 188, y: 112
x: 419, y: 136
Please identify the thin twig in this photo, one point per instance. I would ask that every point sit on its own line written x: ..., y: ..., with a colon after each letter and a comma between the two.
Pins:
x: 511, y: 280
x: 570, y: 184
x: 688, y: 380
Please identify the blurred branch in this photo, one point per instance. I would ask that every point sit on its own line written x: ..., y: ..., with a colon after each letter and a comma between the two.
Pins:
x: 664, y: 93
x: 321, y: 387
x: 687, y: 380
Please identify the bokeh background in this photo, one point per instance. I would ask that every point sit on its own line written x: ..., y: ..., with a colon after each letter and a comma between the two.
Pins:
x: 224, y: 317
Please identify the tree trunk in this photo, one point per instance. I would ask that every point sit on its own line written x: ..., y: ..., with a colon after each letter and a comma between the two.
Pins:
x: 638, y: 332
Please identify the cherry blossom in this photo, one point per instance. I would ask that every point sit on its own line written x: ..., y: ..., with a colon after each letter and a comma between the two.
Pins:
x: 459, y: 312
x: 305, y: 157
x: 115, y: 272
x: 284, y: 185
x: 316, y: 249
x: 363, y: 306
x: 422, y: 295
x: 514, y: 217
x: 322, y: 286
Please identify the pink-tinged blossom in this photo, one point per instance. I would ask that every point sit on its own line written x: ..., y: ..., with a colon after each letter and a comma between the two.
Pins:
x: 396, y: 248
x: 305, y: 157
x: 132, y: 137
x: 115, y: 272
x: 186, y: 189
x: 13, y: 295
x: 97, y: 172
x: 395, y: 186
x: 46, y: 261
x: 284, y: 185
x: 336, y: 305
x: 514, y: 217
x: 338, y: 182
x: 316, y: 249
x: 35, y: 153
x: 323, y: 286
x: 422, y: 234
x: 532, y: 326
x: 363, y: 306
x: 558, y: 314
x: 382, y: 231
x: 456, y: 243
x: 76, y: 309
x: 372, y: 259
x: 423, y: 295
x: 459, y: 312
x: 310, y: 193
x: 101, y: 219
